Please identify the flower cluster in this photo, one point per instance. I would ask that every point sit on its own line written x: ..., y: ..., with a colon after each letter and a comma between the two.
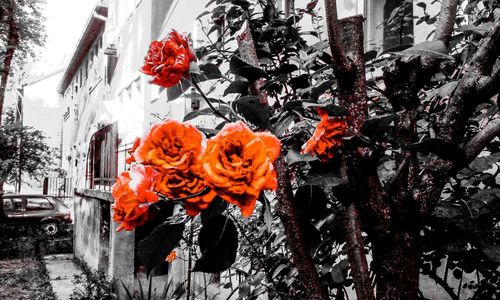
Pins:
x: 326, y: 138
x: 133, y: 195
x: 237, y: 165
x: 168, y: 60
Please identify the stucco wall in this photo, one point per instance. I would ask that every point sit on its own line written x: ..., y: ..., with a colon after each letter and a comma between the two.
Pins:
x: 86, y: 230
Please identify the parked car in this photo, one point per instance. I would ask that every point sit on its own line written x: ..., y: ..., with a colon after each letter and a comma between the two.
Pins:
x: 50, y: 212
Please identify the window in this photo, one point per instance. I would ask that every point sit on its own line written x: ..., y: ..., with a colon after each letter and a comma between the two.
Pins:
x: 102, y: 159
x: 38, y: 204
x: 12, y: 204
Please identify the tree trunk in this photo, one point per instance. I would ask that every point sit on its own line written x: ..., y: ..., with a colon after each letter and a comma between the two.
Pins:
x: 395, y: 260
x: 302, y: 259
x: 12, y: 43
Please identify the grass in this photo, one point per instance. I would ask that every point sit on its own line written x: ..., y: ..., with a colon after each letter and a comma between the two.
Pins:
x: 24, y: 279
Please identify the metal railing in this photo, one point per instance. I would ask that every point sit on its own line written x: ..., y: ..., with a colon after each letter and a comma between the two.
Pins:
x: 61, y: 187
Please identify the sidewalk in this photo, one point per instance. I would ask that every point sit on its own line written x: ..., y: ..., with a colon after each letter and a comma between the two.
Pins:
x: 61, y: 270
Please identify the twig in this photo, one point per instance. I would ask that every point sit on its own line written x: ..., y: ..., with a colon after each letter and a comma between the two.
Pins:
x: 218, y: 113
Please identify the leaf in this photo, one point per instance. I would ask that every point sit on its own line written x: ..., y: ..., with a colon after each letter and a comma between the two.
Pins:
x: 484, y: 163
x: 492, y: 252
x: 282, y: 124
x: 339, y: 271
x: 177, y: 90
x: 252, y: 111
x: 427, y: 48
x: 241, y: 68
x: 300, y: 82
x: 266, y: 211
x: 217, y: 207
x: 441, y: 148
x: 207, y: 111
x: 237, y: 87
x: 318, y: 89
x: 294, y: 156
x: 333, y: 110
x: 374, y: 128
x: 310, y: 201
x: 159, y: 243
x: 218, y: 240
x: 211, y: 71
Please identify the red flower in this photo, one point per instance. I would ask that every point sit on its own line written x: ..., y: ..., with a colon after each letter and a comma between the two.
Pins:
x: 326, y: 138
x: 180, y: 185
x: 170, y: 147
x: 168, y: 60
x: 238, y: 165
x: 133, y: 194
x: 131, y: 158
x: 171, y: 256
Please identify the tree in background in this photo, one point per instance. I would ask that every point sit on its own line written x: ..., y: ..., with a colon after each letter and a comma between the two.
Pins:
x: 22, y: 30
x: 33, y: 156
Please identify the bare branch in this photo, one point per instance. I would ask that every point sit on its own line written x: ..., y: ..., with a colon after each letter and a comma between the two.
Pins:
x: 248, y: 53
x: 446, y: 21
x: 341, y: 65
x: 477, y: 143
x: 476, y: 84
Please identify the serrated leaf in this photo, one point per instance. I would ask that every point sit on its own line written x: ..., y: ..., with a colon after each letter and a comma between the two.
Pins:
x: 218, y: 240
x: 237, y: 87
x: 159, y: 243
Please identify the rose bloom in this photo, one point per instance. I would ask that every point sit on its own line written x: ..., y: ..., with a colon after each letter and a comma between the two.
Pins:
x: 238, y: 165
x: 168, y: 60
x: 170, y: 147
x: 133, y: 194
x: 180, y: 185
x: 171, y: 256
x: 326, y: 138
x: 131, y: 158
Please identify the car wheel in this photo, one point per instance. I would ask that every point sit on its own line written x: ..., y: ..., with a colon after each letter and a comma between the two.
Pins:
x: 50, y: 228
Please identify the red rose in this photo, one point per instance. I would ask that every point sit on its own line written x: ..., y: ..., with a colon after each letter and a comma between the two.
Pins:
x: 326, y: 138
x: 168, y: 60
x: 133, y: 193
x: 238, y: 165
x: 131, y: 158
x: 170, y: 147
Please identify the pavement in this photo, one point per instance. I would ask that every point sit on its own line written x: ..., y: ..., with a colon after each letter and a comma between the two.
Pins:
x: 61, y: 270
